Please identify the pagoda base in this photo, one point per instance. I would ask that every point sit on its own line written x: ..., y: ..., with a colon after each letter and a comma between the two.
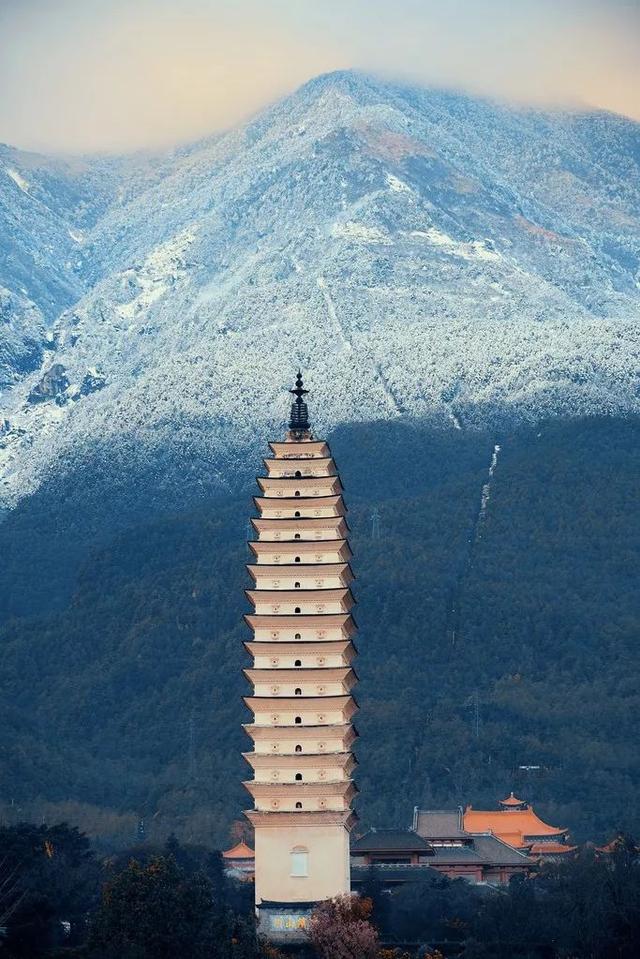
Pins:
x: 282, y: 840
x: 285, y: 923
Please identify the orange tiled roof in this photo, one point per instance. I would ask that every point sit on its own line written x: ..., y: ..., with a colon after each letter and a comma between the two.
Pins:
x: 550, y: 849
x: 610, y: 846
x: 513, y: 826
x: 239, y: 851
x: 618, y: 842
x: 512, y: 800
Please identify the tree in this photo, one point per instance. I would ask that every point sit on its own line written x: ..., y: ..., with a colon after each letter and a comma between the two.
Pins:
x: 431, y: 909
x: 587, y: 905
x: 158, y: 912
x: 340, y: 929
x: 373, y: 889
x: 242, y: 831
x: 50, y: 880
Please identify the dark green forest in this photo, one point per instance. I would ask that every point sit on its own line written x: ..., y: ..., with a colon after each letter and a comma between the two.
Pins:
x: 59, y: 898
x: 486, y: 643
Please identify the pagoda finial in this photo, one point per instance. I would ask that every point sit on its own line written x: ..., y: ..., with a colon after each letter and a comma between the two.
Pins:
x: 299, y: 421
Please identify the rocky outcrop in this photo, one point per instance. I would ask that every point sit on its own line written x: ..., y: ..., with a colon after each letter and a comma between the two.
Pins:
x: 52, y: 386
x: 93, y: 380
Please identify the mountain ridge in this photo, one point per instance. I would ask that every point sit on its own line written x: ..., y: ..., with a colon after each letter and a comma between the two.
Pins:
x: 433, y: 255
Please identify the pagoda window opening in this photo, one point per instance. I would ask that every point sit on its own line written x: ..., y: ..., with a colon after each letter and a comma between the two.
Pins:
x: 298, y: 662
x: 297, y: 492
x: 297, y: 585
x: 297, y: 559
x: 298, y: 749
x: 297, y: 536
x: 298, y: 692
x: 298, y: 636
x: 299, y: 806
x: 298, y: 474
x: 298, y: 720
x: 297, y: 513
x: 298, y: 777
x: 299, y: 857
x: 297, y: 609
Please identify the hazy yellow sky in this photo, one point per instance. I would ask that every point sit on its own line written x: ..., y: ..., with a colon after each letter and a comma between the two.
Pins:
x: 124, y: 74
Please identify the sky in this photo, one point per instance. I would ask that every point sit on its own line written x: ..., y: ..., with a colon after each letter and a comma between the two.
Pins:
x: 120, y: 75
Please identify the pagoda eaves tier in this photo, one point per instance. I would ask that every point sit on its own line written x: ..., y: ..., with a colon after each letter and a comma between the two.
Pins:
x: 302, y: 675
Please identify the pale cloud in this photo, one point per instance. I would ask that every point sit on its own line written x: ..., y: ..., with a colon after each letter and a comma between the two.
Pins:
x: 115, y: 75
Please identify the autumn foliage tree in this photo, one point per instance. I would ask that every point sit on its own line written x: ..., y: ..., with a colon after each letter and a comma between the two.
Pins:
x: 340, y: 929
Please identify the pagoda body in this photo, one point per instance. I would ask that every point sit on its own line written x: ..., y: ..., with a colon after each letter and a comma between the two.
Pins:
x: 302, y: 676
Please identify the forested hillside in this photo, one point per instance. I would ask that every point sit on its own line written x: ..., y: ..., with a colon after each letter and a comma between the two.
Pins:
x: 499, y: 626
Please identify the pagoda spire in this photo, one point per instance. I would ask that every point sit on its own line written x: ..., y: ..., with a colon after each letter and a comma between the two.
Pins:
x: 299, y: 420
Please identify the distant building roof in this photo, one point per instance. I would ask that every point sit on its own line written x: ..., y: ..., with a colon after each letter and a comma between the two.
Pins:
x: 512, y: 801
x: 285, y: 904
x: 390, y: 840
x: 439, y: 823
x: 486, y: 850
x: 239, y: 851
x: 516, y: 826
x: 496, y: 852
x: 550, y: 849
x: 393, y: 872
x: 482, y: 849
x: 619, y: 842
x: 456, y: 855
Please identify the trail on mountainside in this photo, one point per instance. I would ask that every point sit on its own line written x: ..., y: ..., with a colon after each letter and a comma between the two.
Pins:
x: 389, y: 390
x: 346, y: 340
x: 333, y: 315
x: 455, y: 419
x: 456, y: 596
x: 475, y: 534
x: 486, y: 492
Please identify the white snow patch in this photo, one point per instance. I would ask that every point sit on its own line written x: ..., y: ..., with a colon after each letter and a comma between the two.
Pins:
x: 76, y: 235
x: 486, y: 489
x: 474, y: 250
x: 161, y: 269
x: 17, y: 179
x: 351, y: 230
x: 480, y: 251
x: 398, y: 186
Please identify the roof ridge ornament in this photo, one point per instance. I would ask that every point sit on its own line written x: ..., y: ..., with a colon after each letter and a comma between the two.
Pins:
x: 299, y: 419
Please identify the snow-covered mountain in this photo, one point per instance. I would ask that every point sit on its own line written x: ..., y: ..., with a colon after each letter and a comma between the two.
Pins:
x: 421, y: 253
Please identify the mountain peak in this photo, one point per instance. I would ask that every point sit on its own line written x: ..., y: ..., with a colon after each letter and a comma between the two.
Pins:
x: 353, y: 82
x: 460, y: 261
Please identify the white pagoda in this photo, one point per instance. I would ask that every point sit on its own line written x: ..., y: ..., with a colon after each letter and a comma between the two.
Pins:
x: 302, y: 677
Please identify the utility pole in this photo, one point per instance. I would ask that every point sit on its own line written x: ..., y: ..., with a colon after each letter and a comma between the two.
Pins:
x: 192, y: 749
x: 473, y: 703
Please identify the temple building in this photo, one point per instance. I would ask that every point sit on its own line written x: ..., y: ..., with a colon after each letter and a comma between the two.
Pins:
x: 239, y: 862
x: 482, y: 846
x: 518, y: 825
x: 436, y: 843
x: 302, y: 676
